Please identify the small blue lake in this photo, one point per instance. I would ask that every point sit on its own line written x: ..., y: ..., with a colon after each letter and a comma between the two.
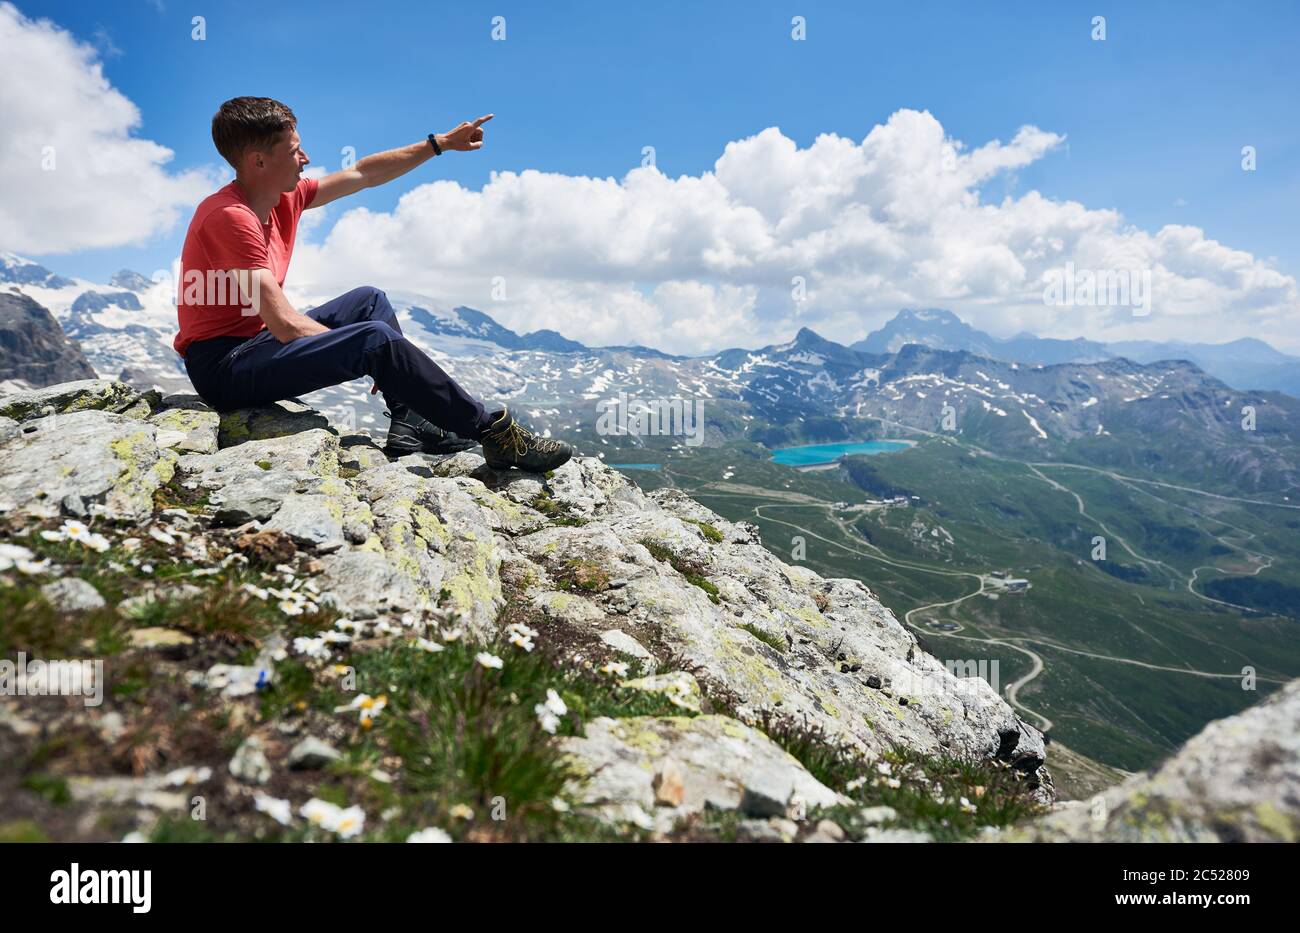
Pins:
x: 635, y: 466
x: 814, y: 454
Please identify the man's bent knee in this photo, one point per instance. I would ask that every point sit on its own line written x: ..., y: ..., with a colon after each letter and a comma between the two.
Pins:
x: 372, y: 334
x: 364, y: 294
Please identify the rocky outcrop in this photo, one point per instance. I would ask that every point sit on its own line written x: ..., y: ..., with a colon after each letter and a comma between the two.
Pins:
x: 1237, y: 781
x: 716, y: 645
x: 654, y: 577
x: 656, y: 771
x: 33, y: 347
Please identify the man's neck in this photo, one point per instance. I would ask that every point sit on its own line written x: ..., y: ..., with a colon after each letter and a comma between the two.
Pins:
x: 261, y: 202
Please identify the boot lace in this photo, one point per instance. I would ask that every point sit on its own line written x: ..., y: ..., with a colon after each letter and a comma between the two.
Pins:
x: 516, y: 439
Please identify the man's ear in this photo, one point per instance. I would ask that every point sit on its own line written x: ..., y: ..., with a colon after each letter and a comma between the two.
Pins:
x: 253, y: 159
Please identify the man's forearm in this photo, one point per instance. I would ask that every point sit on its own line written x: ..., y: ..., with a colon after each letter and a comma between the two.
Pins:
x: 294, y: 325
x: 385, y: 166
x: 280, y: 317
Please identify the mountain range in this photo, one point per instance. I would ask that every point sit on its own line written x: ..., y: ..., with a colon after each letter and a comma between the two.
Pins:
x: 925, y: 371
x: 1247, y: 363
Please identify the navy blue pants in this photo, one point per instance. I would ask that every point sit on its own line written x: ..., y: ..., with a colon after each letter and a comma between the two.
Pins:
x: 364, y: 339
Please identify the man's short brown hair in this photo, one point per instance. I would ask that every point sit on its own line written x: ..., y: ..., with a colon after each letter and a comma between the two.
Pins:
x: 244, y: 123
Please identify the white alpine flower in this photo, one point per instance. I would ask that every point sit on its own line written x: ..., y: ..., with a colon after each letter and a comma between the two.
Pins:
x: 11, y: 553
x: 97, y: 542
x: 320, y: 812
x: 312, y: 647
x: 520, y: 635
x: 549, y: 712
x: 74, y: 530
x: 345, y: 823
x: 367, y: 707
x: 350, y: 822
x: 277, y: 809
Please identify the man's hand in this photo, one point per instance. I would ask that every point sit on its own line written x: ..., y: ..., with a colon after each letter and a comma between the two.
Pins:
x: 383, y: 167
x: 465, y: 137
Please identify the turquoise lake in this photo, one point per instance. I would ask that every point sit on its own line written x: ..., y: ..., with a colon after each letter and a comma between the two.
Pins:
x: 635, y: 466
x: 813, y: 454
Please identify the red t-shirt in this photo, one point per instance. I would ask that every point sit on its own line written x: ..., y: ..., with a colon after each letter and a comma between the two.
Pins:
x: 226, y: 234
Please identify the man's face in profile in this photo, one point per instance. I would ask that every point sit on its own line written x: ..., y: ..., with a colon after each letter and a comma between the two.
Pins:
x: 285, y: 161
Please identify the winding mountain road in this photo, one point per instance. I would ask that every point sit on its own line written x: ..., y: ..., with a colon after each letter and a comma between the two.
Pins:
x: 862, y: 548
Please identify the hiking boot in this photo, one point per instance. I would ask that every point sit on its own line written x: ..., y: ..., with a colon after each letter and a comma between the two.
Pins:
x: 509, y: 444
x: 411, y: 434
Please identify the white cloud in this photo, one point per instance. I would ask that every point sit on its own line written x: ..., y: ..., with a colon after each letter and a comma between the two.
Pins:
x: 107, y: 188
x: 698, y: 263
x: 690, y: 264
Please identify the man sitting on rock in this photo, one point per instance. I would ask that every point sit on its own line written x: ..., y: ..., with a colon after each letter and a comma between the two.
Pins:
x: 246, y: 345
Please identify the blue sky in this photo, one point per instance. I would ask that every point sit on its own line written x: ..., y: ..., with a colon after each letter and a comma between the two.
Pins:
x: 1154, y: 117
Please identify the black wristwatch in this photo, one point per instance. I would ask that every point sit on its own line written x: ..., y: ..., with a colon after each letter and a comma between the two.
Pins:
x: 437, y: 150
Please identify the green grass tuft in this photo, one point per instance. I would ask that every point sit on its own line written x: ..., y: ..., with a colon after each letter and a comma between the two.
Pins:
x: 692, y: 571
x: 710, y: 533
x: 582, y: 575
x: 775, y: 642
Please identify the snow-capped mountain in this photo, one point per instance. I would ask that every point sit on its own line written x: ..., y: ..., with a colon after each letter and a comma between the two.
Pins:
x: 807, y: 389
x: 930, y: 327
x: 19, y: 271
x: 125, y: 329
x: 1243, y: 364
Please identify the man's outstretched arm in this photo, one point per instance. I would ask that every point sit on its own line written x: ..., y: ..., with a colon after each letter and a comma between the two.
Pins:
x: 383, y: 167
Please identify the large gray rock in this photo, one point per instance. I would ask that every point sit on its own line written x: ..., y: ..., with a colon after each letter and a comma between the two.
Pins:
x: 583, y: 488
x: 311, y: 754
x: 311, y: 522
x: 1236, y: 781
x: 170, y: 791
x: 625, y: 643
x: 197, y: 427
x: 363, y: 584
x: 111, y: 461
x: 72, y: 594
x: 279, y: 419
x: 83, y: 395
x: 249, y: 765
x: 251, y: 481
x: 723, y: 764
x: 437, y: 535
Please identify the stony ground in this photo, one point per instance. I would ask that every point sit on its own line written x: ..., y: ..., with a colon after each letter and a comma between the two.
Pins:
x: 302, y: 639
